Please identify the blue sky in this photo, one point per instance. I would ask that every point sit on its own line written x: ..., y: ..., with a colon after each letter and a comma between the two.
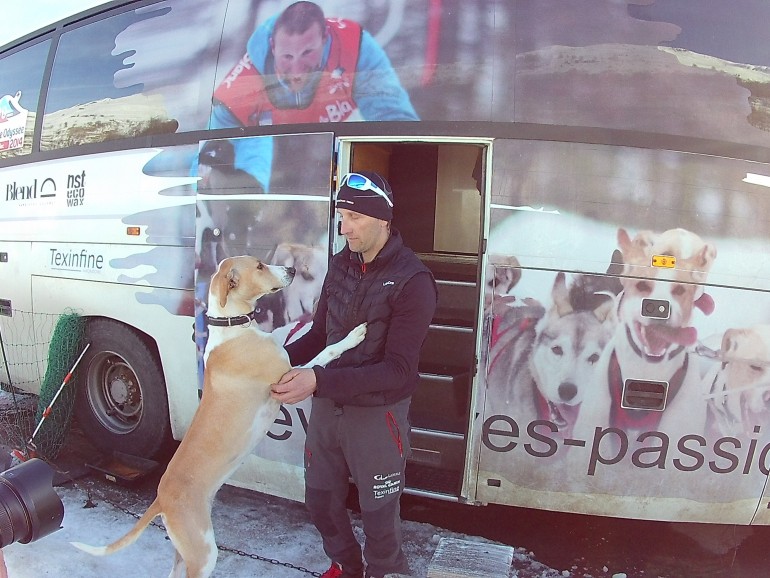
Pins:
x: 23, y: 16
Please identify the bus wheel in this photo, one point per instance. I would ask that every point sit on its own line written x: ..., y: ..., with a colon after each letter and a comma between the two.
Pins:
x: 121, y: 400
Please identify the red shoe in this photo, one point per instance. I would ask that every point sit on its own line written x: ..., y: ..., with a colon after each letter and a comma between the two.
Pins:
x: 335, y: 571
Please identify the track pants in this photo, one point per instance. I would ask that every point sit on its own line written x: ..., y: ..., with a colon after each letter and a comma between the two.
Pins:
x: 369, y: 444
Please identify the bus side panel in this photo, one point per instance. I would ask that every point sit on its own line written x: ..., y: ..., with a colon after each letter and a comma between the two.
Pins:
x: 284, y: 221
x: 627, y: 334
x: 15, y: 308
x: 106, y: 235
x: 145, y: 309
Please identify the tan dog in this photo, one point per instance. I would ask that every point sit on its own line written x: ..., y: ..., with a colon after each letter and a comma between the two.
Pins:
x: 739, y: 400
x: 654, y: 349
x: 234, y: 414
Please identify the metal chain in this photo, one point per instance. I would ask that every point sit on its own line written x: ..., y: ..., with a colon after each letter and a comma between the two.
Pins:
x: 273, y: 561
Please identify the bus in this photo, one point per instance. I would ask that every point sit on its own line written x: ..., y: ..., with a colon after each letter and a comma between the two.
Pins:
x: 587, y: 181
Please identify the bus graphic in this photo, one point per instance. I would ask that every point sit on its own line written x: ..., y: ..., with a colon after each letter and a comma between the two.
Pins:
x: 13, y: 122
x: 587, y: 181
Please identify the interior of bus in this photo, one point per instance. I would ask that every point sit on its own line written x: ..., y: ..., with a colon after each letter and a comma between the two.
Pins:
x: 438, y: 195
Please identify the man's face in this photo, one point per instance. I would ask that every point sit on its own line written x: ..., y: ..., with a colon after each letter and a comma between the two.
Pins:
x: 297, y: 55
x: 364, y: 234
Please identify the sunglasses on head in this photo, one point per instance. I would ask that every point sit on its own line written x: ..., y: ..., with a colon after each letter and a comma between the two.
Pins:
x: 362, y: 183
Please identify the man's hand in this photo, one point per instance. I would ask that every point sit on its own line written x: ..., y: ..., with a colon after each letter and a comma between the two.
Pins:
x: 294, y: 386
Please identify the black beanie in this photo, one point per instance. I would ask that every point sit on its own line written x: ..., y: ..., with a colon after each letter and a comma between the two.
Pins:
x: 367, y: 202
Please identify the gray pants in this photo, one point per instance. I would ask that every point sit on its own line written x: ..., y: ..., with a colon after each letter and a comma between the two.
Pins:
x: 369, y: 444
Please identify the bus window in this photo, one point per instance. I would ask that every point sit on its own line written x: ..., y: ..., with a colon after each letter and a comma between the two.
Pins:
x: 21, y: 75
x: 119, y: 78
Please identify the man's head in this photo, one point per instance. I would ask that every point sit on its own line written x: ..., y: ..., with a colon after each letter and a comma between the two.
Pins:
x: 367, y: 193
x: 364, y: 203
x: 298, y: 42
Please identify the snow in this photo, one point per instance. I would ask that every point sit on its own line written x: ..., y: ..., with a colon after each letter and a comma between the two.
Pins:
x: 244, y: 522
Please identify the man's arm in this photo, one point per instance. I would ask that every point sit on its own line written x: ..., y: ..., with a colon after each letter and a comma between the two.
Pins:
x: 377, y: 90
x: 252, y: 154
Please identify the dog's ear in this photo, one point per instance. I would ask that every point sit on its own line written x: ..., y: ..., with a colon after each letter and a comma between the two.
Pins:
x: 506, y: 277
x: 730, y: 342
x: 222, y: 281
x: 230, y: 282
x: 706, y: 256
x: 560, y: 295
x: 604, y: 311
x: 700, y: 263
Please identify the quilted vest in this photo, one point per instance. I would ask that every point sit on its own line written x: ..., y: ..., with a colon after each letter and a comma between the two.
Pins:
x: 355, y: 296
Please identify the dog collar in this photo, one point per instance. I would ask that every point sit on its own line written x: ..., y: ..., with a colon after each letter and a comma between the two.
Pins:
x: 231, y: 321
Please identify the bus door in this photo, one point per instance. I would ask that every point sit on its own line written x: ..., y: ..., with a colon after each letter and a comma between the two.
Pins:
x: 268, y: 197
x: 438, y: 199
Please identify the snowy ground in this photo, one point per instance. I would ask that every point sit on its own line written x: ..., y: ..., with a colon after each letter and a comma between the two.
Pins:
x: 260, y: 535
x: 249, y: 525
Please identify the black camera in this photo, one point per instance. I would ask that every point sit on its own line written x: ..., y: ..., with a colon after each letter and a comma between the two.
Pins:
x: 29, y: 506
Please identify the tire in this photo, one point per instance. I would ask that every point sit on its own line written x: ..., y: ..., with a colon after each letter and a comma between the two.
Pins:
x: 121, y: 402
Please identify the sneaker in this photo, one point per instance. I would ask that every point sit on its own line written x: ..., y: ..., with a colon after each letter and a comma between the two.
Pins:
x: 336, y: 571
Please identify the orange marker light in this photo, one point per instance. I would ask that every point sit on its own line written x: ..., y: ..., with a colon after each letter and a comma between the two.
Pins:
x: 667, y: 261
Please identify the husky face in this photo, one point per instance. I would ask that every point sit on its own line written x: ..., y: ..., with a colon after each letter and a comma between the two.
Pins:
x: 568, y: 345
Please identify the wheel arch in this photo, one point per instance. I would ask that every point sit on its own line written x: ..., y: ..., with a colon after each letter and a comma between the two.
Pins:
x: 115, y: 343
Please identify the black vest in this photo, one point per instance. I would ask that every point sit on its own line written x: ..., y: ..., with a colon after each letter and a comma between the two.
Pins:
x: 355, y: 296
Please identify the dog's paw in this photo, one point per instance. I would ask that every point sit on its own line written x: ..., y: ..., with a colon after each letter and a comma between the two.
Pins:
x: 358, y: 334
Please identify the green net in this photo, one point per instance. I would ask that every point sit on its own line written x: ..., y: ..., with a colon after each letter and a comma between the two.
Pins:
x: 63, y: 351
x: 38, y: 349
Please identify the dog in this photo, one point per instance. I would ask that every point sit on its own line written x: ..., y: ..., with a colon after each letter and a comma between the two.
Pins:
x: 506, y: 274
x: 310, y: 264
x: 569, y: 341
x: 739, y: 394
x: 654, y: 349
x: 298, y: 300
x: 241, y: 364
x: 288, y: 314
x: 543, y: 365
x: 543, y: 359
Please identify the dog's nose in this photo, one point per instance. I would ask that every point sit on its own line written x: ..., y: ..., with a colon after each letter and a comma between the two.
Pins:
x: 567, y: 390
x: 291, y: 271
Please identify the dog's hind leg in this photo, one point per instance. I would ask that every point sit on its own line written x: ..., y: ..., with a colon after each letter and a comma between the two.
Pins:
x: 196, y: 548
x: 178, y: 571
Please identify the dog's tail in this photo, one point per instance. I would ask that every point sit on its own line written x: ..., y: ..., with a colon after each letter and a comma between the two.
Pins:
x: 131, y: 537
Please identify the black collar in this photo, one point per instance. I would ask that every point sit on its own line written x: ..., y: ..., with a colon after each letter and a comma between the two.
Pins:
x: 230, y: 321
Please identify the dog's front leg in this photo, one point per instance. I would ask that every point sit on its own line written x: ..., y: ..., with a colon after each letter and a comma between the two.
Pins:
x: 333, y: 351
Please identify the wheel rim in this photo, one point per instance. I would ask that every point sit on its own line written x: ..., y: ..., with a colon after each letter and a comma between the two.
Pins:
x: 114, y: 393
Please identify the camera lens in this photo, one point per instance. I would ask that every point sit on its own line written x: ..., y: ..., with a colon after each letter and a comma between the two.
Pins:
x: 29, y: 507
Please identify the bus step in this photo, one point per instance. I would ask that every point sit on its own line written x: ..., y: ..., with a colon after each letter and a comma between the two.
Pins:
x: 456, y: 558
x: 435, y: 480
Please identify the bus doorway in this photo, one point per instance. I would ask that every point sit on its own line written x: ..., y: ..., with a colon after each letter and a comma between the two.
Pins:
x: 438, y: 195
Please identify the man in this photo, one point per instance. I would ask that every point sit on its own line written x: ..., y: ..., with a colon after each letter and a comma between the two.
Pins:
x: 358, y: 425
x: 301, y: 67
